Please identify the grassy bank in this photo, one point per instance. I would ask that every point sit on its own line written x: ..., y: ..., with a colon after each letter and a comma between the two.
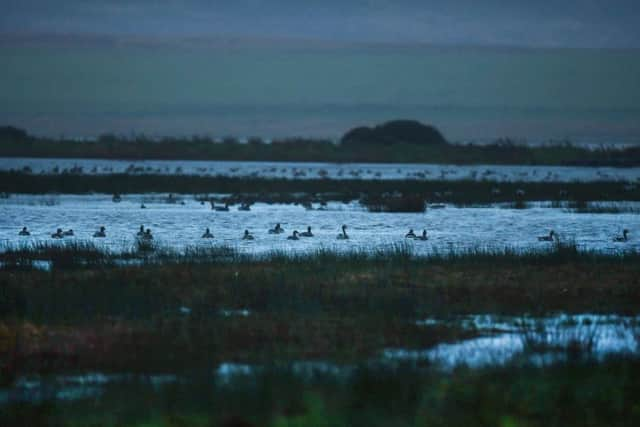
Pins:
x: 16, y: 143
x: 195, y: 309
x: 484, y: 283
x: 188, y: 313
x: 285, y: 190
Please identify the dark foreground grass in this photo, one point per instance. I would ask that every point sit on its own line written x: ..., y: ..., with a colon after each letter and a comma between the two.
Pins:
x: 179, y: 313
x: 249, y: 189
x: 173, y: 315
x: 582, y: 395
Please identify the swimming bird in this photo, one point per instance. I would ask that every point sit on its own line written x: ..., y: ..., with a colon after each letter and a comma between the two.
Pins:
x: 276, y: 230
x: 69, y: 232
x: 100, y: 233
x: 147, y: 234
x: 207, y: 234
x: 548, y: 238
x: 294, y: 236
x: 59, y: 234
x: 622, y: 238
x: 24, y: 232
x: 343, y: 235
x: 141, y: 231
x: 423, y: 236
x: 247, y: 236
x: 410, y: 234
x: 244, y: 206
x: 307, y: 233
x: 142, y: 206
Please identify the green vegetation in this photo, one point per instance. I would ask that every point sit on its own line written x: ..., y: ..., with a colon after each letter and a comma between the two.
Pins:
x: 389, y: 145
x: 582, y: 395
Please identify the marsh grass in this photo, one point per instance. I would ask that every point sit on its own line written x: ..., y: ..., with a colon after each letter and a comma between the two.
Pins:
x: 559, y: 342
x: 319, y: 190
x: 601, y: 208
x: 85, y: 254
x: 502, y: 151
x: 581, y: 394
x: 393, y: 280
x: 163, y: 316
x: 63, y: 255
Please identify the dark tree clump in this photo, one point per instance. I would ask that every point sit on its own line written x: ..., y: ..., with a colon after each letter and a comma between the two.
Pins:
x: 394, y: 132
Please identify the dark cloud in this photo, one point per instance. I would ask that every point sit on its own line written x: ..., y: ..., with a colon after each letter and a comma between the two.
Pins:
x: 589, y: 23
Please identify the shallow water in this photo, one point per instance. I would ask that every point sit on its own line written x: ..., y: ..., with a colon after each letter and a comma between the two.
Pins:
x: 178, y: 225
x: 511, y: 336
x: 290, y: 170
x: 503, y: 340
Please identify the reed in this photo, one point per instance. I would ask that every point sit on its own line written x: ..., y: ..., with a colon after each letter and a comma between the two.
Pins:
x: 252, y: 189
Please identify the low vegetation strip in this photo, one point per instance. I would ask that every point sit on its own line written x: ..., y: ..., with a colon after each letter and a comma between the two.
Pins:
x: 391, y: 142
x: 286, y: 190
x: 391, y: 282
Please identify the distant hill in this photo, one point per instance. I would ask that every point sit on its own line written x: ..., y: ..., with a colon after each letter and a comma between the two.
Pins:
x: 393, y: 132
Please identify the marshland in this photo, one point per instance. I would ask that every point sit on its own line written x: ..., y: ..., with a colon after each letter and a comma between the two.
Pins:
x: 378, y: 328
x: 293, y: 214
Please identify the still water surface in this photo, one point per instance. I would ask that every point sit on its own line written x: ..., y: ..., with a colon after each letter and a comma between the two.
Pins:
x: 179, y: 225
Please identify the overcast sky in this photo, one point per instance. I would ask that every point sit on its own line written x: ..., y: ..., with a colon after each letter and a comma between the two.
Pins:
x: 563, y: 23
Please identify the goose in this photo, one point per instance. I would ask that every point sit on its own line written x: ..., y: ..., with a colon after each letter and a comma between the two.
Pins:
x: 548, y: 238
x: 141, y: 231
x: 247, y: 236
x: 294, y: 236
x: 59, y: 234
x: 207, y: 234
x: 410, y: 234
x: 24, y: 232
x: 100, y: 233
x: 69, y: 232
x: 622, y: 238
x: 343, y: 235
x: 276, y: 230
x: 423, y: 236
x: 307, y: 233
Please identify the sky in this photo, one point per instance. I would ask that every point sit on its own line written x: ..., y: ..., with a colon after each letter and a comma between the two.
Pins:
x: 536, y: 23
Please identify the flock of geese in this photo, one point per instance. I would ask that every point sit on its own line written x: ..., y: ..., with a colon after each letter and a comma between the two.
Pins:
x: 146, y: 234
x: 553, y: 236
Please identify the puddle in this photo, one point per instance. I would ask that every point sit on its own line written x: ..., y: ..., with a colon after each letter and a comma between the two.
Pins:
x: 538, y: 340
